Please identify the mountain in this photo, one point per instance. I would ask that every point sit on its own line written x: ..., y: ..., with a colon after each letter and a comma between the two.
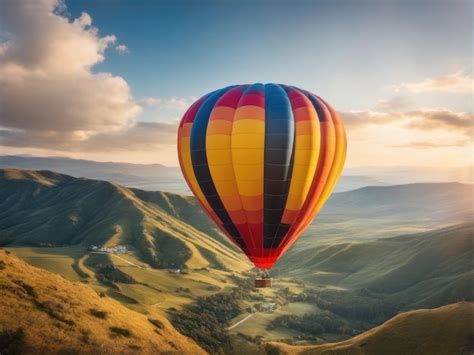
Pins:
x: 386, y: 211
x: 152, y: 177
x: 421, y: 270
x: 155, y: 177
x: 396, y: 175
x: 42, y: 208
x: 444, y: 330
x: 43, y: 313
x: 353, y: 182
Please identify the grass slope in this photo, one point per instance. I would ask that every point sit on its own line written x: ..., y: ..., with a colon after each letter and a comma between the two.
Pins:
x: 424, y: 270
x: 444, y: 330
x: 44, y: 313
x: 42, y: 208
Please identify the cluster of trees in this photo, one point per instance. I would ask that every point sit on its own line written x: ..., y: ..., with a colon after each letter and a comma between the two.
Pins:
x: 205, y: 320
x: 311, y: 323
x: 361, y: 305
x: 106, y: 272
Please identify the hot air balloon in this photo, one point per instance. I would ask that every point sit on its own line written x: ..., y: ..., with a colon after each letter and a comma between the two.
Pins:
x: 262, y: 160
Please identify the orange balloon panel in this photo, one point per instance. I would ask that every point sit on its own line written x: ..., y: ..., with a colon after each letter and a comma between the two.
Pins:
x: 261, y: 160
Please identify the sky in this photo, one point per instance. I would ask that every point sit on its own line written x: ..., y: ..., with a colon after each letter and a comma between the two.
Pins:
x: 109, y: 80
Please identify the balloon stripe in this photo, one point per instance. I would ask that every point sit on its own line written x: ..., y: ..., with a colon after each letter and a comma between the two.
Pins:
x: 247, y: 146
x: 279, y: 144
x: 326, y: 157
x: 219, y: 156
x: 201, y: 167
x: 184, y: 157
x: 307, y: 145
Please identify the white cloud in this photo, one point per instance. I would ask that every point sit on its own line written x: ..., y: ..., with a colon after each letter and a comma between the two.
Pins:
x: 452, y: 83
x: 122, y: 49
x: 46, y: 83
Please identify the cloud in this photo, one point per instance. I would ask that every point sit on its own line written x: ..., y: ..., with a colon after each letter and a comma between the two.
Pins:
x: 424, y: 120
x: 122, y: 49
x: 452, y: 83
x: 361, y: 119
x: 396, y: 103
x: 141, y: 136
x: 434, y: 144
x: 49, y: 96
x: 441, y: 119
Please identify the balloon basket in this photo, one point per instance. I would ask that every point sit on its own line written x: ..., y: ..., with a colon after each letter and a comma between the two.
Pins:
x: 263, y: 282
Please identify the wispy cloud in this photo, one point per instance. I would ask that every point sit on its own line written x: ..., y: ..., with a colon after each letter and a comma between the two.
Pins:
x: 441, y: 120
x: 434, y: 144
x: 451, y: 83
x: 122, y: 49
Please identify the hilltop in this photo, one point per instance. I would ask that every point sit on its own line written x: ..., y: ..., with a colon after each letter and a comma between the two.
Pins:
x: 44, y: 313
x: 444, y: 330
x: 164, y: 230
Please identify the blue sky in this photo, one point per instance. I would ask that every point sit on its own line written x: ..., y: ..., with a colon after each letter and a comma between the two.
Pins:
x: 109, y: 80
x: 346, y: 51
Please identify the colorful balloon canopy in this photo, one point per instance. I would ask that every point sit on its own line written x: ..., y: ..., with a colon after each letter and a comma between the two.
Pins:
x: 261, y: 159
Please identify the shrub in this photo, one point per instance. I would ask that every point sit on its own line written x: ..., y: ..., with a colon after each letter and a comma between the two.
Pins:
x: 123, y: 332
x: 156, y: 323
x: 11, y: 341
x: 98, y: 314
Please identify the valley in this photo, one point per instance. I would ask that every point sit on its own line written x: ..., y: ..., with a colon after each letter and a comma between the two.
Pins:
x: 379, y: 251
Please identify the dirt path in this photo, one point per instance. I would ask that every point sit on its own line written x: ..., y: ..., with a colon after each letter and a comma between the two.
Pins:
x: 119, y: 257
x: 241, y: 321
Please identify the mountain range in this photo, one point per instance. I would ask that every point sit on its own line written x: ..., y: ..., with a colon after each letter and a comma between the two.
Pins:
x: 157, y: 177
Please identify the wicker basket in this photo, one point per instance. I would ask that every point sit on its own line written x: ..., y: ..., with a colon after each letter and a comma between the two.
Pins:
x: 262, y: 283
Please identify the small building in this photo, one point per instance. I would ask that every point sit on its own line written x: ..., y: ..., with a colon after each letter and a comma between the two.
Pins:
x: 268, y: 307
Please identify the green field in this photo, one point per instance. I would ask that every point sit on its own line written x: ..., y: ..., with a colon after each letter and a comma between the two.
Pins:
x: 58, y: 260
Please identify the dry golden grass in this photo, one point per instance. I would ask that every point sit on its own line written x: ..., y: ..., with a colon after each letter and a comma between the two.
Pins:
x: 58, y: 316
x: 16, y: 174
x: 444, y: 330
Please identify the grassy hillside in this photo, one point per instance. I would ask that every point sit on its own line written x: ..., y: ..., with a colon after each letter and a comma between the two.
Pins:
x: 42, y: 208
x: 444, y: 330
x: 384, y: 211
x: 44, y: 313
x: 426, y: 269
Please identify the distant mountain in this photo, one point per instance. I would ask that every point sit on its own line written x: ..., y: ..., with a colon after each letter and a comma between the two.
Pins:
x: 444, y: 330
x: 384, y: 211
x: 348, y: 182
x: 421, y: 270
x: 42, y: 313
x: 445, y: 201
x: 42, y: 208
x: 152, y: 177
x: 396, y: 175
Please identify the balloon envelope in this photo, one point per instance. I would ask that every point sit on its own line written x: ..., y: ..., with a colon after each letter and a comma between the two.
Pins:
x: 261, y: 160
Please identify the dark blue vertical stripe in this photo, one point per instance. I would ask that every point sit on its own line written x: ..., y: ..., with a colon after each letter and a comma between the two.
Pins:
x: 201, y: 167
x: 279, y: 144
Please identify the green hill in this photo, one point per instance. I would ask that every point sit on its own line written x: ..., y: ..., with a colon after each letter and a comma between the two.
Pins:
x: 444, y: 330
x: 42, y: 208
x: 426, y: 269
